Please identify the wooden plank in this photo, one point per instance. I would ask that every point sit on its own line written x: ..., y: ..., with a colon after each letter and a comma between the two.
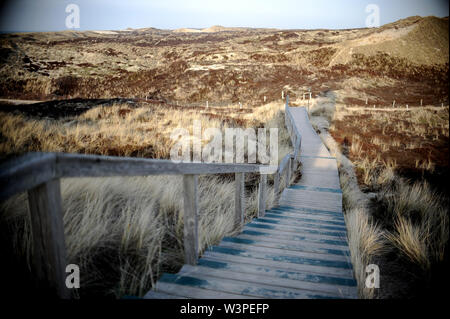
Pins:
x: 296, y: 218
x: 302, y: 212
x: 310, y: 225
x: 49, y: 250
x: 239, y: 199
x: 314, y: 269
x: 311, y: 205
x: 307, y: 238
x: 296, y: 229
x: 335, y: 264
x: 75, y: 165
x: 244, y: 274
x: 238, y: 287
x: 262, y: 194
x: 195, y: 292
x: 275, y: 272
x: 285, y: 252
x: 292, y: 245
x: 272, y: 230
x: 190, y: 219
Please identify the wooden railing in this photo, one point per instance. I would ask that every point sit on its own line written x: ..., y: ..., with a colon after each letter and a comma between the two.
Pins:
x: 39, y: 174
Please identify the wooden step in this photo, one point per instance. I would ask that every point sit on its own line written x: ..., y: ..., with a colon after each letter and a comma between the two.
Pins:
x: 238, y: 287
x: 281, y: 256
x: 304, y: 268
x: 288, y: 245
x: 270, y: 234
x: 283, y: 251
x: 254, y: 276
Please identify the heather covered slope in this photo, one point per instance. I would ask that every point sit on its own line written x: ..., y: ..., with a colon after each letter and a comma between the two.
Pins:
x: 406, y: 61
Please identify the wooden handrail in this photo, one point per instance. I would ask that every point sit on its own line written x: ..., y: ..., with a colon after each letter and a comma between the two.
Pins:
x: 40, y: 174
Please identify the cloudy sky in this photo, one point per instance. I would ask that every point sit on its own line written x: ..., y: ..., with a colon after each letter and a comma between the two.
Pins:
x: 50, y: 15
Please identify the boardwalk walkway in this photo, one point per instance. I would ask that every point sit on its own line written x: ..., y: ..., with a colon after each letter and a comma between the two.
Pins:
x: 297, y: 250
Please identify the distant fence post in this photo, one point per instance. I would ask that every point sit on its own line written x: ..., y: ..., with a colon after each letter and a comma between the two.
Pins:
x: 288, y: 173
x: 276, y: 184
x: 49, y: 249
x: 190, y: 219
x: 239, y: 198
x: 262, y: 195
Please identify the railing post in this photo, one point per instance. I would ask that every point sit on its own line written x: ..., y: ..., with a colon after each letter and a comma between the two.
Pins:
x: 190, y: 219
x: 239, y: 199
x: 276, y: 184
x: 47, y: 227
x: 288, y: 172
x: 262, y: 195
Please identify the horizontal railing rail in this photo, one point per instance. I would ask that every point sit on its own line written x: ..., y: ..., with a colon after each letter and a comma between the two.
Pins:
x: 39, y: 174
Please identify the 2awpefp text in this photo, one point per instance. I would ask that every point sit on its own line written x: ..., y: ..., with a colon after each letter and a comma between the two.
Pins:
x: 230, y: 308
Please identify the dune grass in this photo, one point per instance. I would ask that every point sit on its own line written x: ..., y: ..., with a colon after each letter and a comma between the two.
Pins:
x: 124, y: 232
x: 395, y: 215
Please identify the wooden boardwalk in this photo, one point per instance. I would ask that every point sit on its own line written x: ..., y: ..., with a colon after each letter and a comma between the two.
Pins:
x: 298, y: 249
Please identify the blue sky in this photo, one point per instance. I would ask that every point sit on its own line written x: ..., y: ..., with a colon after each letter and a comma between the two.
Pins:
x: 50, y: 15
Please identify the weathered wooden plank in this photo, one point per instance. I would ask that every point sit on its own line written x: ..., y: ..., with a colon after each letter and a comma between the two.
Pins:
x: 304, y: 245
x: 238, y: 287
x: 75, y: 165
x: 294, y: 223
x: 262, y: 195
x: 252, y: 276
x: 314, y: 269
x: 298, y: 232
x: 307, y: 238
x: 239, y: 199
x: 319, y: 215
x: 196, y: 292
x: 284, y: 252
x: 276, y: 256
x: 292, y: 246
x: 49, y: 250
x: 276, y: 272
x: 190, y: 219
x: 296, y: 229
x: 310, y: 211
x: 296, y: 218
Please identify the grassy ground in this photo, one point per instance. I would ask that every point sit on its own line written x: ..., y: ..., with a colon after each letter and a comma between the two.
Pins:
x: 399, y: 159
x: 124, y: 232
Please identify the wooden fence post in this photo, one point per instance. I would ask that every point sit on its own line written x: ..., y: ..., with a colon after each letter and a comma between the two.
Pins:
x: 288, y: 172
x: 276, y: 184
x: 190, y: 219
x: 262, y: 195
x: 49, y: 249
x: 239, y: 199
